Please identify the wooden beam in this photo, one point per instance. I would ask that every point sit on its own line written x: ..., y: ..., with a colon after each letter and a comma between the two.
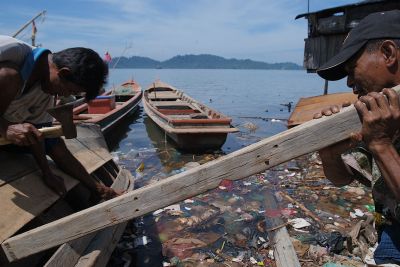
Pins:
x: 284, y: 252
x: 69, y: 253
x: 308, y: 137
x: 103, y: 244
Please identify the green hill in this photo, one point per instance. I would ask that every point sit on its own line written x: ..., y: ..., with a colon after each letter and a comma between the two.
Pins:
x: 199, y: 62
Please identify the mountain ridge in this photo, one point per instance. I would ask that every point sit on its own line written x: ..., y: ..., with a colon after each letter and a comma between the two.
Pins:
x: 202, y: 61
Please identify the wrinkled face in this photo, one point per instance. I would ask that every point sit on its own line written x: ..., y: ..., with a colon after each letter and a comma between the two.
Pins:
x: 366, y: 73
x: 59, y: 85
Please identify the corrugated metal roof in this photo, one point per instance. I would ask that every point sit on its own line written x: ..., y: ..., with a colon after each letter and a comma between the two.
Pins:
x: 342, y: 8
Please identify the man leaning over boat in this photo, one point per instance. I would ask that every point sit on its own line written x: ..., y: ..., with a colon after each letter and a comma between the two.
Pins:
x: 30, y: 78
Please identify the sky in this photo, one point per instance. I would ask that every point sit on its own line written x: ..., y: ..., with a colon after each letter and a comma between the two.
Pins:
x: 262, y: 30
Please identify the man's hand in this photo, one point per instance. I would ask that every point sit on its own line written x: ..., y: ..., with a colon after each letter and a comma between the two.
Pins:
x: 334, y: 167
x: 380, y: 116
x: 330, y: 110
x: 107, y: 192
x: 24, y: 134
x: 56, y: 183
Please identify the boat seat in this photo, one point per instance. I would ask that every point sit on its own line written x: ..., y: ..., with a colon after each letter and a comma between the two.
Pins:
x: 170, y: 103
x: 183, y: 116
x: 163, y: 95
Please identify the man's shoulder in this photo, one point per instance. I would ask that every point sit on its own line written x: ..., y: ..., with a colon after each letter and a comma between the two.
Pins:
x: 8, y: 70
x: 13, y: 50
x: 9, y: 76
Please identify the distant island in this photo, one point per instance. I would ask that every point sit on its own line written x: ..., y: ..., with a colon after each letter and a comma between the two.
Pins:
x: 199, y: 62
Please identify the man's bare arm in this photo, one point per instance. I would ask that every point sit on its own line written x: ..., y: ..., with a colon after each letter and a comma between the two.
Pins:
x: 334, y: 168
x: 380, y: 114
x: 10, y: 85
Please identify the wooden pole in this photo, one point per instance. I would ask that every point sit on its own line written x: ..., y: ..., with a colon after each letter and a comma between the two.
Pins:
x: 308, y: 137
x: 284, y: 252
x: 326, y: 87
x: 29, y: 22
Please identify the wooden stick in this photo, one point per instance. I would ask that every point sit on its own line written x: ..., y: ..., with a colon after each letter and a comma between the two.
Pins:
x: 308, y: 137
x: 48, y: 132
x: 284, y: 252
x: 302, y: 207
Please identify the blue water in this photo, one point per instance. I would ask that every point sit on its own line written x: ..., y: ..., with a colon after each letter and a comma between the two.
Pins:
x: 240, y: 94
x: 250, y: 97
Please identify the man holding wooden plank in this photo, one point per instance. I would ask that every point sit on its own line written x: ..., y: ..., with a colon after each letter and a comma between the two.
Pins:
x: 30, y: 77
x: 370, y: 58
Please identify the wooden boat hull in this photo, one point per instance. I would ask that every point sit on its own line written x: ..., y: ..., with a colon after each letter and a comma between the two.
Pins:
x: 126, y: 105
x: 191, y: 125
x: 109, y: 122
x: 199, y: 142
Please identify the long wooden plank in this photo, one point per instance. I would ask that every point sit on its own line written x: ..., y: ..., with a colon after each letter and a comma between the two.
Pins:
x: 69, y: 253
x: 89, y: 147
x: 104, y: 243
x: 25, y: 198
x: 170, y: 103
x: 308, y: 137
x: 272, y: 151
x: 284, y: 252
x: 14, y: 165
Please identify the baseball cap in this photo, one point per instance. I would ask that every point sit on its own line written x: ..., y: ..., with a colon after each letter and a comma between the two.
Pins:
x: 377, y: 25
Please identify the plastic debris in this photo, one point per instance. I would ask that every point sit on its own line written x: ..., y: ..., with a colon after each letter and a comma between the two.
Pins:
x: 227, y: 225
x: 299, y: 223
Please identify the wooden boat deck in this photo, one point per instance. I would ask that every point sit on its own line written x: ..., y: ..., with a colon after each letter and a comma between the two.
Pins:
x: 24, y: 198
x: 163, y: 95
x: 307, y: 107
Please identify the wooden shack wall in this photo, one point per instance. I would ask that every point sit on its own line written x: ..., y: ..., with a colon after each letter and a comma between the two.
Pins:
x: 328, y: 30
x: 320, y: 49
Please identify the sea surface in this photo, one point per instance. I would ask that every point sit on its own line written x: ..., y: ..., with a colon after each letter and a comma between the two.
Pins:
x: 253, y: 99
x: 248, y: 96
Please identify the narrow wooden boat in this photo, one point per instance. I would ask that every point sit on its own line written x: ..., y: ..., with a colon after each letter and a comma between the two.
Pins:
x: 308, y: 106
x: 111, y: 107
x: 26, y: 202
x: 190, y: 124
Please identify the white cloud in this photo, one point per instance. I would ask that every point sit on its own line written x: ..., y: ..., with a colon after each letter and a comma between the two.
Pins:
x: 259, y: 29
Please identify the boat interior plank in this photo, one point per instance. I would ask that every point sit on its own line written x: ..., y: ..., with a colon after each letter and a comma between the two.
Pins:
x: 25, y: 198
x: 14, y: 165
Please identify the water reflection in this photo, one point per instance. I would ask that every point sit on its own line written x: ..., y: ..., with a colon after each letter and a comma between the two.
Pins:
x: 120, y: 132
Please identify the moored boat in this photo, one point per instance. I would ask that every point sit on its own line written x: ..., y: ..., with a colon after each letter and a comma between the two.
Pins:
x: 111, y: 107
x: 190, y: 124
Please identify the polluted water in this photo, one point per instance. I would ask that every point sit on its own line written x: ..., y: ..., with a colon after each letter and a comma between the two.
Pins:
x: 327, y: 225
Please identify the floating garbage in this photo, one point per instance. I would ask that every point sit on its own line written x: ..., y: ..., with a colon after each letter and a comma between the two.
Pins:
x: 299, y: 223
x: 226, y: 226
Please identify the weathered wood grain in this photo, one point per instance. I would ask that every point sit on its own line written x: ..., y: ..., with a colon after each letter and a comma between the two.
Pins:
x: 89, y: 147
x: 24, y: 199
x: 284, y: 252
x: 308, y: 137
x: 14, y: 165
x: 103, y: 244
x: 69, y: 254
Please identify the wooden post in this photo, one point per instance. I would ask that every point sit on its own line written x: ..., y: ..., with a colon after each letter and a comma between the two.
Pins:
x: 29, y: 22
x: 326, y: 87
x: 284, y: 252
x: 308, y: 137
